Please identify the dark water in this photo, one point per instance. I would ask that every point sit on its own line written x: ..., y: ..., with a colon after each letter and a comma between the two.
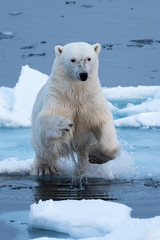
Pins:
x: 17, y: 193
x: 21, y: 191
x: 127, y: 31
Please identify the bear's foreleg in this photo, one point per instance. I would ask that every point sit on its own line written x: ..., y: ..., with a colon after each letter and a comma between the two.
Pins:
x: 51, y: 135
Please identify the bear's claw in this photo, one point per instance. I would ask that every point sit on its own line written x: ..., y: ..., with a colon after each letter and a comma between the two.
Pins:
x: 44, y: 171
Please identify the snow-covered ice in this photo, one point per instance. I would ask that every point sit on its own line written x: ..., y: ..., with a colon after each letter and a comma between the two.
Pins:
x: 14, y: 165
x: 135, y: 106
x: 140, y: 92
x: 16, y: 103
x: 131, y: 106
x: 92, y: 219
x: 151, y: 119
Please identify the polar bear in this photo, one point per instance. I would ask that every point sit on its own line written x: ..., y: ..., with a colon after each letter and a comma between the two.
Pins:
x: 70, y: 114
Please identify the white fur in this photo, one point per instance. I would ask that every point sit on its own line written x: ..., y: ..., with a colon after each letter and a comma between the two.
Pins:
x: 72, y: 116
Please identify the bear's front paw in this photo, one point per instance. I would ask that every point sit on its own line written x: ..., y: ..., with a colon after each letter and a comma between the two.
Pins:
x: 63, y: 127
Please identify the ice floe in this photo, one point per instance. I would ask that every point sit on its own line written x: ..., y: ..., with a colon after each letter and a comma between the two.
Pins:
x: 92, y: 220
x: 14, y: 166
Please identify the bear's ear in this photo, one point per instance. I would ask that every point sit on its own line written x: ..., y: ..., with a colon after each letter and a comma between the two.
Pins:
x: 97, y: 47
x: 58, y: 50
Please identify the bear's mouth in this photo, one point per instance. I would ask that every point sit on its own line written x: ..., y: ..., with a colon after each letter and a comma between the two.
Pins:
x: 83, y: 76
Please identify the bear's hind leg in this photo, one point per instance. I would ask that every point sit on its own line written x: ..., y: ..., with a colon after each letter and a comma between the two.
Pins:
x: 107, y: 147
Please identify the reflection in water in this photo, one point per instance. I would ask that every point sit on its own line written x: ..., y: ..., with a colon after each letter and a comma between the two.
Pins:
x: 62, y: 188
x: 39, y: 233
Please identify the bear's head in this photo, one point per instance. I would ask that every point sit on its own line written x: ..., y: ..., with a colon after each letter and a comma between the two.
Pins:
x: 78, y: 59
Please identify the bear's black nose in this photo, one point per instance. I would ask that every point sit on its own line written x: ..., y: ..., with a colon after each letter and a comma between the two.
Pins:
x: 83, y: 76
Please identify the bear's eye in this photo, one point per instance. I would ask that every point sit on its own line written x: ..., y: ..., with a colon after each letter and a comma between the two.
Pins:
x: 73, y: 60
x: 89, y: 59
